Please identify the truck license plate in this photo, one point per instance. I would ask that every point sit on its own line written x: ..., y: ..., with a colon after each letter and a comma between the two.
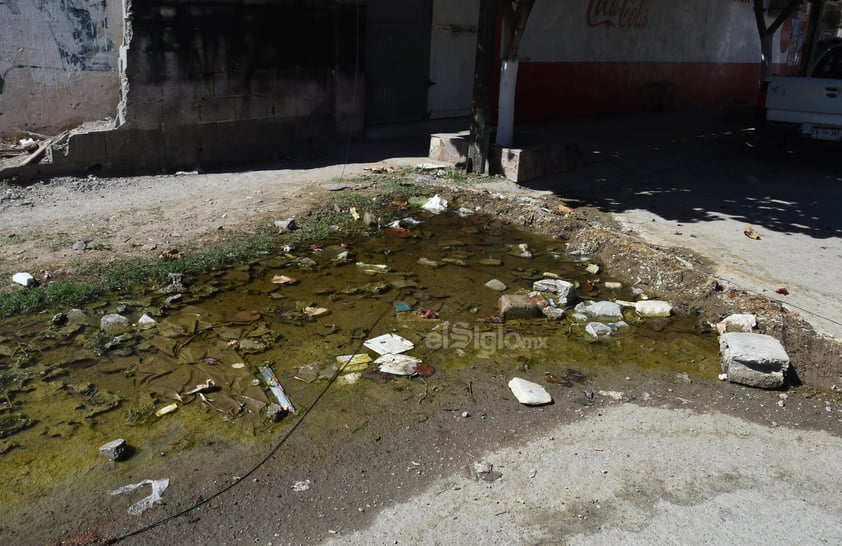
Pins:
x: 826, y: 133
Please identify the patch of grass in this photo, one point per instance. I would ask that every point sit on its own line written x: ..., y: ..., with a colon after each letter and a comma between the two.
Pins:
x: 122, y: 276
x: 25, y: 301
x: 58, y: 294
x: 60, y: 241
x: 70, y: 293
x: 325, y: 225
x: 354, y: 199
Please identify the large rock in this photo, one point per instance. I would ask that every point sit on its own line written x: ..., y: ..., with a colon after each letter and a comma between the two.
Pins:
x: 755, y: 360
x: 517, y: 306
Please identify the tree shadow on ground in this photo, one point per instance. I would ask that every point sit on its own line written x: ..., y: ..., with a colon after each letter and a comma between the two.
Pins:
x: 688, y: 169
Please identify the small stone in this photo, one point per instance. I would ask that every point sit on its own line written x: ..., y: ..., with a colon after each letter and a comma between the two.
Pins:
x: 496, y: 284
x: 115, y: 450
x: 77, y: 316
x: 491, y: 261
x: 466, y: 414
x: 114, y: 324
x: 251, y: 346
x: 426, y: 262
x: 145, y: 322
x: 553, y: 313
x: 80, y: 246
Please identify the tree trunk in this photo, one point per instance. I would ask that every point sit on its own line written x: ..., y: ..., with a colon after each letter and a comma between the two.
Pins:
x: 766, y: 42
x: 483, y: 99
x: 514, y: 19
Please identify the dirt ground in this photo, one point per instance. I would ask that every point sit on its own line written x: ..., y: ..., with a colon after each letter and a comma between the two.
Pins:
x: 643, y: 458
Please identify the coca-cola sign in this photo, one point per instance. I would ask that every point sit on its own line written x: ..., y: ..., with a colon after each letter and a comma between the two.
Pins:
x: 630, y: 14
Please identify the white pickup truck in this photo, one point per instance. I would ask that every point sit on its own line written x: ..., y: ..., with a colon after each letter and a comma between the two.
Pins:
x: 810, y: 106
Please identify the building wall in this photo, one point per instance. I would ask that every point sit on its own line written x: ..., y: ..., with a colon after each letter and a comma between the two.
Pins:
x: 217, y: 83
x: 58, y: 63
x: 598, y: 56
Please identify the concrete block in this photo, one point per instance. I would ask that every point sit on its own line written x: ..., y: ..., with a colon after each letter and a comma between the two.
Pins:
x: 565, y: 291
x: 755, y: 360
x: 449, y: 147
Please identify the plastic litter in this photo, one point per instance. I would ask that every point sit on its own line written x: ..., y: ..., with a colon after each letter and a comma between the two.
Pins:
x: 23, y: 279
x: 389, y: 344
x: 169, y: 408
x: 401, y: 307
x: 435, y: 204
x: 276, y: 388
x: 524, y: 251
x: 397, y: 364
x: 353, y: 363
x: 529, y: 393
x: 158, y: 488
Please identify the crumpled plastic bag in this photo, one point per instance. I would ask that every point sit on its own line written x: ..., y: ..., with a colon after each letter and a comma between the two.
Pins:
x: 435, y: 204
x: 158, y: 488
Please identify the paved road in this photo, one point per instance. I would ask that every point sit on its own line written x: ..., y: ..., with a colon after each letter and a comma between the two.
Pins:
x: 693, y: 180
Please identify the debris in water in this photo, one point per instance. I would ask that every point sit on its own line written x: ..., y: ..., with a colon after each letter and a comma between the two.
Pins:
x: 389, y: 344
x: 166, y: 409
x: 429, y: 314
x: 397, y: 232
x: 283, y: 279
x: 397, y: 364
x: 276, y: 388
x: 242, y: 316
x: 435, y: 204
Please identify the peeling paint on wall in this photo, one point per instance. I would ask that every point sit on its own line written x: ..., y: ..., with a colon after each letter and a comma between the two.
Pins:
x: 49, y: 38
x: 47, y: 47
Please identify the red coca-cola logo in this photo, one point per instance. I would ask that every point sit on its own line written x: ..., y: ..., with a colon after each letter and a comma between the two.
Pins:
x: 632, y: 14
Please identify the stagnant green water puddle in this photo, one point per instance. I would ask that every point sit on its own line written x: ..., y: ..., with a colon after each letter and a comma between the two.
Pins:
x: 66, y: 387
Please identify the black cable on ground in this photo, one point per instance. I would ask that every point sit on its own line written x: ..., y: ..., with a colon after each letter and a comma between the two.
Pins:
x: 260, y: 463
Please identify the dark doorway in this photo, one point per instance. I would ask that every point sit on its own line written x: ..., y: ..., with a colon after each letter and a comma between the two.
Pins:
x: 397, y: 60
